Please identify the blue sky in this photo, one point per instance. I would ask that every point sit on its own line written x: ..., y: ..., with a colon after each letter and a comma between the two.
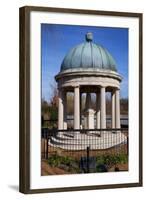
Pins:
x: 57, y: 40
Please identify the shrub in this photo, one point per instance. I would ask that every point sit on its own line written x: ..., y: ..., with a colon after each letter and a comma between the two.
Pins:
x: 56, y: 160
x: 109, y: 160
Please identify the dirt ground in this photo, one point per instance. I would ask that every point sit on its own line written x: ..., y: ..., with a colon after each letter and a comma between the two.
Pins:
x: 48, y: 170
x: 121, y: 167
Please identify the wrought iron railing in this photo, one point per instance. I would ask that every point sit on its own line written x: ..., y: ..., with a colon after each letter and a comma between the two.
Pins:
x: 76, y: 142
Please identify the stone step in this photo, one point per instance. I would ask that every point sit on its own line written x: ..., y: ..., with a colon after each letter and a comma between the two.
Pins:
x: 84, y: 147
x: 77, y: 141
x: 81, y: 141
x: 65, y: 136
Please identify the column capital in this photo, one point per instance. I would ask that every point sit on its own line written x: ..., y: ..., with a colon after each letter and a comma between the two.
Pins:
x: 114, y: 89
x: 76, y: 86
x: 117, y: 89
x: 102, y: 86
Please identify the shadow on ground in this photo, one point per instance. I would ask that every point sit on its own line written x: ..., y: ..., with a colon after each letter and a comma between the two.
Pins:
x: 14, y: 187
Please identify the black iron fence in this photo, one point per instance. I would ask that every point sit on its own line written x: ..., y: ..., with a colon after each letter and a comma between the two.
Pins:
x: 85, y: 150
x: 76, y: 142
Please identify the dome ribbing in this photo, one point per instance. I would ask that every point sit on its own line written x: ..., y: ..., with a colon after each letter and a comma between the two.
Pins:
x: 88, y: 55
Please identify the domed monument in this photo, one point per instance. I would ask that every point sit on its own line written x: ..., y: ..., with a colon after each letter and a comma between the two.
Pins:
x: 89, y: 68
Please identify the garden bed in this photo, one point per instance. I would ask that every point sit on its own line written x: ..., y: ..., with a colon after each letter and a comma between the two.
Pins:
x: 58, y: 164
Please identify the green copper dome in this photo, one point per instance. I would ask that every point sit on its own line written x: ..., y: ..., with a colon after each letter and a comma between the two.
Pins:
x: 88, y: 55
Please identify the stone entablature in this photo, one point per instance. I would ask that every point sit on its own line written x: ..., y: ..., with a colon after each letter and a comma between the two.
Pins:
x: 101, y: 79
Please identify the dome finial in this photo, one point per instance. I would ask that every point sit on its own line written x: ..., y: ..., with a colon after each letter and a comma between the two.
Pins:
x: 89, y: 37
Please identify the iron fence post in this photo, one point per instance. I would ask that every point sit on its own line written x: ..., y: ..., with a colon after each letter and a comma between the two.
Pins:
x: 88, y: 170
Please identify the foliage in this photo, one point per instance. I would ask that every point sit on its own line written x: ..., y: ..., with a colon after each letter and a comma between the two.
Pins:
x: 103, y: 162
x: 49, y: 112
x: 53, y: 112
x: 110, y: 160
x: 54, y: 94
x: 44, y: 107
x: 64, y: 162
x: 101, y: 168
x: 56, y: 160
x: 124, y: 106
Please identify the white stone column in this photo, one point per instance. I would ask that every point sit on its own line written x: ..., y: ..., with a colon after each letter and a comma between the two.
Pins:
x: 65, y: 110
x: 60, y: 110
x: 76, y: 108
x: 113, y: 110
x: 103, y: 108
x: 98, y: 111
x: 117, y: 97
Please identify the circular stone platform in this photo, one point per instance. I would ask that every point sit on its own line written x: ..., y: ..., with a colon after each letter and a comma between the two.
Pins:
x: 94, y: 140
